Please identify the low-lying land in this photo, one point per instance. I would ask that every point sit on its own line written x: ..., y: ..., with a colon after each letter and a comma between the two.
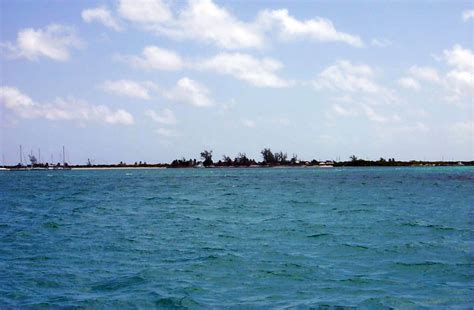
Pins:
x: 269, y: 159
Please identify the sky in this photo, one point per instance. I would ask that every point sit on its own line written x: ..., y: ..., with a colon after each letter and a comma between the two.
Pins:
x: 155, y: 80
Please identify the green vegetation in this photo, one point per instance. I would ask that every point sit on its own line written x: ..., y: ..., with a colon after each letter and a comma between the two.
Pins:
x: 269, y: 159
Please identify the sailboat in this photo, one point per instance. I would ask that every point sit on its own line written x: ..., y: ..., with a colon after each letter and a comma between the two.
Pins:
x: 35, y: 165
x: 64, y: 166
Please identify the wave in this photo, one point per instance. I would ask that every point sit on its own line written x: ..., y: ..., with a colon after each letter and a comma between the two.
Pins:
x: 419, y: 264
x: 118, y: 283
x: 177, y: 303
x: 356, y: 246
x: 51, y: 225
x: 434, y: 226
x: 317, y: 235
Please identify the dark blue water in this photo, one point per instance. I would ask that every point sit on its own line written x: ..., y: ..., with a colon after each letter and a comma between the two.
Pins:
x: 368, y: 237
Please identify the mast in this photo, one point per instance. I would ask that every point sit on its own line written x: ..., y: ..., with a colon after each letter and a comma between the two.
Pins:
x: 21, y: 157
x: 64, y: 156
x: 39, y: 156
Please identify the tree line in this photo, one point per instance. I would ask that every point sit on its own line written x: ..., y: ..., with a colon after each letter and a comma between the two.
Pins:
x: 271, y: 159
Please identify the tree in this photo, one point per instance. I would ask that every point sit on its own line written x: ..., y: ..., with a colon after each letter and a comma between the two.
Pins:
x: 353, y: 158
x: 227, y: 161
x: 242, y: 160
x: 281, y: 157
x: 268, y: 157
x: 207, y: 157
x: 294, y: 159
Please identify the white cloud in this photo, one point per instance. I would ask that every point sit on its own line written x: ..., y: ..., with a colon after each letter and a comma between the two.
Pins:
x: 54, y: 42
x: 127, y: 88
x: 339, y: 110
x: 318, y: 29
x: 467, y: 15
x: 190, y: 92
x: 460, y: 80
x: 207, y: 22
x: 102, y: 15
x: 203, y: 20
x: 248, y: 123
x: 457, y: 82
x: 257, y: 72
x: 425, y: 73
x: 410, y: 83
x: 345, y: 76
x: 61, y: 109
x: 154, y: 58
x: 165, y: 117
x: 380, y: 42
x: 360, y: 109
x: 460, y: 58
x: 186, y: 91
x: 373, y: 115
x: 145, y: 11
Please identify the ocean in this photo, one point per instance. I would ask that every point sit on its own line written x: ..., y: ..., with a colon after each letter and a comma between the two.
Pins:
x: 238, y: 238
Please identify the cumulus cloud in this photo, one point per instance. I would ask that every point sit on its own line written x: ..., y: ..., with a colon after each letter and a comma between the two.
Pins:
x: 165, y: 117
x: 203, y: 20
x: 318, y: 29
x: 154, y: 58
x: 54, y: 42
x: 101, y: 14
x: 257, y: 72
x: 460, y: 79
x: 127, y: 88
x: 425, y: 73
x: 409, y: 83
x: 190, y: 92
x: 185, y: 91
x: 61, y: 109
x: 144, y: 11
x: 467, y: 15
x: 356, y: 91
x: 360, y: 109
x: 345, y: 76
x: 460, y: 58
x: 457, y: 82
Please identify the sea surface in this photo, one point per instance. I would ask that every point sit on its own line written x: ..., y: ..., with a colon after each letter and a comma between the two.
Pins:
x: 241, y: 238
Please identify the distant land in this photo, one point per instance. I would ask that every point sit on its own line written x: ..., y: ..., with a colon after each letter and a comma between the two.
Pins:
x: 269, y: 159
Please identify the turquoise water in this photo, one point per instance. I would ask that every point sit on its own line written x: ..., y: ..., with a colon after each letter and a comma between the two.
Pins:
x: 213, y: 238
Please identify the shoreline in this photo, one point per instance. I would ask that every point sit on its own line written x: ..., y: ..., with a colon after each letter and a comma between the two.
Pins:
x: 231, y: 167
x: 116, y: 168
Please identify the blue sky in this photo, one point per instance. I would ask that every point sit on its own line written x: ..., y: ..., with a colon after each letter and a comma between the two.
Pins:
x: 157, y: 80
